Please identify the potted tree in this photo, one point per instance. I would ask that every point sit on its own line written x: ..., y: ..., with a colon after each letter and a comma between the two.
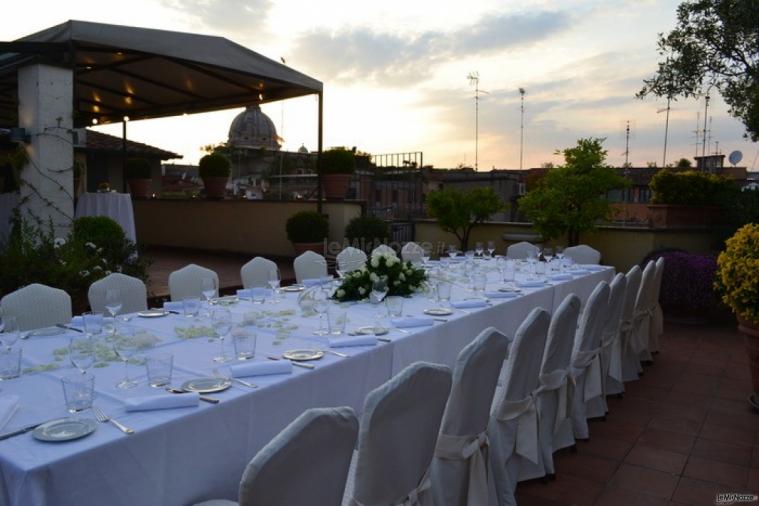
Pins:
x: 214, y: 170
x: 366, y: 232
x: 139, y: 177
x: 687, y: 198
x: 738, y: 281
x: 338, y: 166
x: 307, y: 231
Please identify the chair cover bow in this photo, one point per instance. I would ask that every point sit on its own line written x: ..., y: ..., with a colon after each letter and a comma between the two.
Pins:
x: 590, y: 361
x: 473, y: 448
x: 557, y: 380
x: 417, y: 497
x: 526, y: 415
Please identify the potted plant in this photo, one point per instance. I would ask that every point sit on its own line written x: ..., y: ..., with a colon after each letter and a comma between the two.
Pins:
x: 687, y: 198
x: 366, y: 232
x: 687, y: 289
x: 214, y: 171
x: 139, y: 177
x: 307, y: 230
x: 338, y: 165
x: 738, y: 281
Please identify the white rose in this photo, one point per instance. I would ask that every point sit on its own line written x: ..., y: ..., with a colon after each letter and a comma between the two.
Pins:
x: 375, y: 262
x: 373, y: 277
x: 340, y: 294
x: 59, y: 241
x: 402, y: 277
x: 361, y: 290
x: 396, y: 283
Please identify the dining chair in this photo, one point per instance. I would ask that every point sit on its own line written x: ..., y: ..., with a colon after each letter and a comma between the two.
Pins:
x: 309, y: 265
x: 305, y: 464
x: 383, y: 249
x: 350, y: 259
x: 188, y: 282
x: 396, y: 441
x: 132, y: 291
x: 630, y: 360
x: 586, y: 362
x: 256, y: 272
x: 553, y: 396
x: 583, y: 254
x: 412, y: 252
x: 610, y: 352
x: 657, y: 317
x: 644, y: 311
x: 460, y: 471
x: 513, y: 426
x: 520, y: 250
x: 36, y: 306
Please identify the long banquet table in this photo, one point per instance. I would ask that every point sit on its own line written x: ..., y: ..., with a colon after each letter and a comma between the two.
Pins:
x: 186, y: 455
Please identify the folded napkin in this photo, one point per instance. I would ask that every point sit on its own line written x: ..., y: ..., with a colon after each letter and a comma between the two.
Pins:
x: 317, y: 281
x: 77, y: 321
x: 560, y: 277
x: 161, y: 401
x: 8, y: 408
x: 469, y: 304
x: 412, y: 321
x: 344, y: 342
x: 261, y: 368
x: 174, y: 306
x: 501, y: 295
x: 532, y: 283
x: 258, y: 291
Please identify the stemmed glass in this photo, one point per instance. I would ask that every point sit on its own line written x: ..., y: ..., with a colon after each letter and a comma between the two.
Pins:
x: 125, y: 345
x: 321, y: 306
x: 532, y: 259
x: 222, y: 324
x: 379, y: 292
x: 208, y: 287
x: 548, y: 255
x: 274, y: 281
x: 82, y: 352
x: 8, y: 331
x: 491, y: 248
x: 452, y: 251
x: 560, y: 256
x: 479, y: 249
x: 500, y: 264
x: 113, y: 301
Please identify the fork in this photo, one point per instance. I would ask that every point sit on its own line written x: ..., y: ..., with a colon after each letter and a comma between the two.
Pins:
x: 103, y: 418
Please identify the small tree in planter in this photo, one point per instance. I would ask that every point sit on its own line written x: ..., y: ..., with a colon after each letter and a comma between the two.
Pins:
x: 307, y: 230
x: 139, y: 177
x: 459, y: 212
x: 338, y: 166
x: 366, y: 232
x: 214, y: 170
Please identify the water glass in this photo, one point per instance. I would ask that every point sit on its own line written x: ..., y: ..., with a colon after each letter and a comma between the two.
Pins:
x: 444, y: 291
x: 93, y: 322
x: 10, y: 363
x: 321, y: 306
x: 394, y: 306
x: 208, y: 287
x: 191, y: 306
x: 160, y: 367
x: 113, y: 301
x: 125, y: 345
x: 338, y: 317
x: 9, y: 331
x: 379, y: 290
x: 258, y: 295
x: 479, y: 281
x: 244, y: 342
x: 548, y: 254
x: 78, y: 392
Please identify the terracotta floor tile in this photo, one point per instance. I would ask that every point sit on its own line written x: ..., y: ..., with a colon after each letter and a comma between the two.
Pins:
x: 753, y: 480
x: 617, y: 430
x: 705, y: 369
x: 717, y: 472
x: 667, y: 440
x: 568, y: 490
x: 637, y: 390
x: 738, y: 373
x: 739, y: 455
x: 736, y: 420
x: 676, y: 424
x: 659, y: 460
x: 588, y: 466
x: 697, y: 492
x: 639, y: 479
x: 734, y: 407
x: 736, y: 390
x: 724, y: 434
x: 622, y: 497
x: 755, y: 458
x: 531, y: 500
x: 605, y: 447
x: 622, y: 414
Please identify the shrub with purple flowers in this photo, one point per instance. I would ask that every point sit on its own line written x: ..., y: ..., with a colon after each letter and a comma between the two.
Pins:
x: 687, y: 286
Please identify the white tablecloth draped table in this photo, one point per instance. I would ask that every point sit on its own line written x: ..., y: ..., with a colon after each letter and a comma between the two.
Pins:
x: 185, y: 455
x: 117, y: 206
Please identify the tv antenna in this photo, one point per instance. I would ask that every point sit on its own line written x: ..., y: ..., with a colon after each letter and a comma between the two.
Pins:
x: 706, y: 115
x: 474, y: 80
x: 628, y: 134
x: 666, y: 129
x: 697, y: 131
x: 521, y: 127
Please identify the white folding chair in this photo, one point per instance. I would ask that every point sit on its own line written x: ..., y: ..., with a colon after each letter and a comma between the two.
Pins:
x: 397, y: 438
x: 36, y: 306
x: 383, y: 249
x: 657, y: 317
x: 309, y: 265
x: 630, y: 360
x: 460, y: 470
x: 350, y: 259
x: 644, y: 311
x: 256, y: 272
x: 513, y: 427
x: 583, y: 254
x: 305, y: 464
x: 188, y: 282
x: 132, y: 293
x: 412, y: 252
x: 520, y: 250
x: 586, y: 360
x: 597, y: 407
x: 553, y: 397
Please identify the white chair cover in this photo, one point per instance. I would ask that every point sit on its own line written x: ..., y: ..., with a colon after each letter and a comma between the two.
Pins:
x: 309, y: 265
x: 36, y: 306
x: 630, y: 361
x: 397, y: 438
x: 586, y: 361
x: 305, y: 464
x: 350, y: 259
x: 554, y: 397
x: 134, y: 294
x: 382, y: 249
x: 255, y: 273
x: 644, y: 312
x: 188, y: 282
x: 513, y: 427
x: 611, y: 358
x: 583, y: 254
x: 657, y: 319
x: 412, y: 252
x: 460, y: 471
x: 519, y: 250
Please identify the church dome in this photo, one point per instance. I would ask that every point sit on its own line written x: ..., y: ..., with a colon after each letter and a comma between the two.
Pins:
x: 253, y: 129
x: 303, y: 149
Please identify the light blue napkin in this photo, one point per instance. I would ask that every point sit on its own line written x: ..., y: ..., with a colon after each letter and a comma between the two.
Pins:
x: 344, y: 342
x: 469, y: 304
x: 412, y: 321
x: 560, y: 277
x: 501, y: 295
x: 261, y: 368
x: 174, y: 306
x: 317, y: 281
x: 162, y: 401
x: 533, y: 283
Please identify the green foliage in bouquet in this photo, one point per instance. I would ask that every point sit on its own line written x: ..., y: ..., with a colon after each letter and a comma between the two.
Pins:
x: 402, y: 278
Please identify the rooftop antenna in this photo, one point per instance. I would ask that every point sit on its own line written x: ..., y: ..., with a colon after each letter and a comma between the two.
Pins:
x: 666, y: 129
x: 706, y: 114
x: 709, y: 136
x: 521, y: 128
x: 281, y: 135
x: 697, y: 131
x: 474, y: 80
x: 627, y: 143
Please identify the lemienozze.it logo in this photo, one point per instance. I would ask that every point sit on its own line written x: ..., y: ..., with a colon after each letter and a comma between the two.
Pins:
x: 733, y: 498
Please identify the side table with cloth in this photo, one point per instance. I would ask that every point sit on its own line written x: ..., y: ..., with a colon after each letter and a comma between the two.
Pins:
x: 117, y: 206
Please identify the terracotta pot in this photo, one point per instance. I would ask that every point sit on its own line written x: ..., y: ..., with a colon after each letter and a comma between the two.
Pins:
x: 750, y: 332
x: 216, y: 187
x: 139, y: 188
x: 302, y: 247
x: 335, y: 185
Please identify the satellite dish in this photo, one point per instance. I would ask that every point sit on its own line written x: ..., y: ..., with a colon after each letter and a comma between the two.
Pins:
x: 735, y: 157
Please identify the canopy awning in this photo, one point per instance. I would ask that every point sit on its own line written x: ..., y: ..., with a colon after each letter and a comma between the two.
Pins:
x: 145, y: 73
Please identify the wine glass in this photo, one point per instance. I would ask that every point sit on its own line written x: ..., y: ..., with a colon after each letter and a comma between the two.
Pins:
x: 452, y: 251
x: 274, y: 281
x: 479, y: 249
x: 532, y: 259
x: 491, y: 248
x: 321, y: 306
x: 113, y: 301
x: 82, y: 352
x: 208, y: 287
x: 221, y: 319
x: 8, y: 331
x: 500, y: 264
x: 379, y: 289
x: 560, y: 256
x: 125, y: 346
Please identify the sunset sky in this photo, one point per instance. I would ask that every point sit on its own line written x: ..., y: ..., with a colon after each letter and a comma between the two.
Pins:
x: 394, y: 74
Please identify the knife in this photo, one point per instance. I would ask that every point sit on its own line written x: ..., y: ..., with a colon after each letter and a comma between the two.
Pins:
x: 22, y: 430
x: 62, y: 326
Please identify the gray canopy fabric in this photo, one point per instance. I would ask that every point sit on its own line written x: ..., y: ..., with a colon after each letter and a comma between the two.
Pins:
x: 146, y: 73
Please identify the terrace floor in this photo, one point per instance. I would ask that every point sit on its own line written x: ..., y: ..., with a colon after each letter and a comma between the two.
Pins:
x: 683, y: 433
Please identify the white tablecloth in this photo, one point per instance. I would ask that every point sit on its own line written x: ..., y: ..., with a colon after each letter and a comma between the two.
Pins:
x: 117, y: 206
x: 186, y: 455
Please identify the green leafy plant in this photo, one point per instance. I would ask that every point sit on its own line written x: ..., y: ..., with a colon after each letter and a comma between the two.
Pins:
x: 307, y: 226
x: 214, y: 165
x: 402, y: 278
x: 338, y: 161
x: 458, y: 212
x: 367, y: 232
x: 138, y: 168
x: 572, y: 198
x: 738, y: 273
x: 689, y: 188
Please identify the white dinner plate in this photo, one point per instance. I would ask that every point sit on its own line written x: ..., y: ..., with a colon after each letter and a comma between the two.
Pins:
x: 46, y: 331
x: 206, y: 385
x: 153, y: 313
x: 224, y: 301
x: 303, y: 354
x: 64, y: 429
x: 293, y: 288
x: 438, y: 311
x: 371, y: 330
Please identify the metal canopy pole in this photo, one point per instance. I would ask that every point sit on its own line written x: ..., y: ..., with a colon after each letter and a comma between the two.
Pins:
x: 124, y: 154
x: 319, y: 153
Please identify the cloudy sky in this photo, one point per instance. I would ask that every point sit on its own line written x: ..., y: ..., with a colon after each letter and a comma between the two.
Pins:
x: 395, y: 73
